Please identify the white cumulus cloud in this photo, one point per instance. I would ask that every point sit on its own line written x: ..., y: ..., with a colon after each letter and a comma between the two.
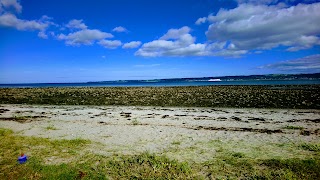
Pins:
x: 7, y: 4
x: 76, y: 24
x: 85, y: 37
x: 176, y: 33
x: 176, y: 42
x: 119, y: 29
x: 132, y: 44
x: 42, y: 35
x: 179, y: 42
x: 10, y: 20
x: 201, y: 20
x: 245, y: 29
x: 262, y: 27
x: 110, y: 44
x: 268, y: 2
x: 77, y: 32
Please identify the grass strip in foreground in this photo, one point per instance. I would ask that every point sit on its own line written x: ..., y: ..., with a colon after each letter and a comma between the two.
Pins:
x: 69, y: 159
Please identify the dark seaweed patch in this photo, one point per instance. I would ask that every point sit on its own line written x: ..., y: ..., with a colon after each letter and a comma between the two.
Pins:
x: 180, y: 115
x: 21, y: 119
x: 268, y: 131
x: 236, y: 118
x: 256, y: 119
x: 125, y: 115
x: 222, y: 118
x: 199, y: 118
x: 293, y: 120
x: 305, y: 132
x: 4, y: 110
x: 285, y: 96
x: 315, y: 120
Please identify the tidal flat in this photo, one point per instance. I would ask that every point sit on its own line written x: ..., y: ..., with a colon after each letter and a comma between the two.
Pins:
x: 161, y: 133
x: 268, y: 96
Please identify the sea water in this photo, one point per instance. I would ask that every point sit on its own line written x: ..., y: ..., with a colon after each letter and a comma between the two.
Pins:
x: 163, y: 84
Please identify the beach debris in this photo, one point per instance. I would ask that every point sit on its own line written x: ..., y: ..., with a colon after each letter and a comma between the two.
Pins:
x: 3, y: 110
x: 199, y: 118
x: 305, y: 120
x: 256, y: 119
x: 268, y: 131
x: 293, y: 120
x: 305, y: 132
x: 180, y: 115
x: 315, y: 120
x: 22, y: 158
x: 125, y: 115
x: 236, y: 118
x: 21, y: 119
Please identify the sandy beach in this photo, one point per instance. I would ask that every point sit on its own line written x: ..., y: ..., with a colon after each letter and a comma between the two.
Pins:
x: 183, y: 133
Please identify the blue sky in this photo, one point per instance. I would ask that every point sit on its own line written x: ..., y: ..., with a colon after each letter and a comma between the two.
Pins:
x: 79, y: 41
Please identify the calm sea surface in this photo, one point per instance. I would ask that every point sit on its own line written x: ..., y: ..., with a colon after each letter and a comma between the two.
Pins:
x: 162, y: 84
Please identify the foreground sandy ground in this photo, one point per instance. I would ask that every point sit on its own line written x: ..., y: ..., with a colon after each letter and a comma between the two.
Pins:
x: 183, y: 133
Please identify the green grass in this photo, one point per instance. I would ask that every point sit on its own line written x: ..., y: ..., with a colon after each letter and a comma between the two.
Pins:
x: 243, y: 168
x: 311, y: 147
x: 19, y: 117
x: 238, y: 155
x: 5, y: 132
x: 51, y: 127
x: 39, y: 150
x: 293, y: 168
x: 71, y: 159
x: 147, y: 165
x: 176, y: 143
x: 294, y: 127
x: 135, y: 122
x: 73, y: 162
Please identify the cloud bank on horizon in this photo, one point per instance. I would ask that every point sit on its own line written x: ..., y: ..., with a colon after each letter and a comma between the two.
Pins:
x: 248, y: 28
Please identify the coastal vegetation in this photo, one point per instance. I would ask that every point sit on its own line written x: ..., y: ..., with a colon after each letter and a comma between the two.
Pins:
x: 268, y: 96
x: 72, y: 159
x: 77, y: 159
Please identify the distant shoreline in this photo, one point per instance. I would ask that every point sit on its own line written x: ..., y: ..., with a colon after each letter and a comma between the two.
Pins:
x: 269, y: 79
x: 166, y: 83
